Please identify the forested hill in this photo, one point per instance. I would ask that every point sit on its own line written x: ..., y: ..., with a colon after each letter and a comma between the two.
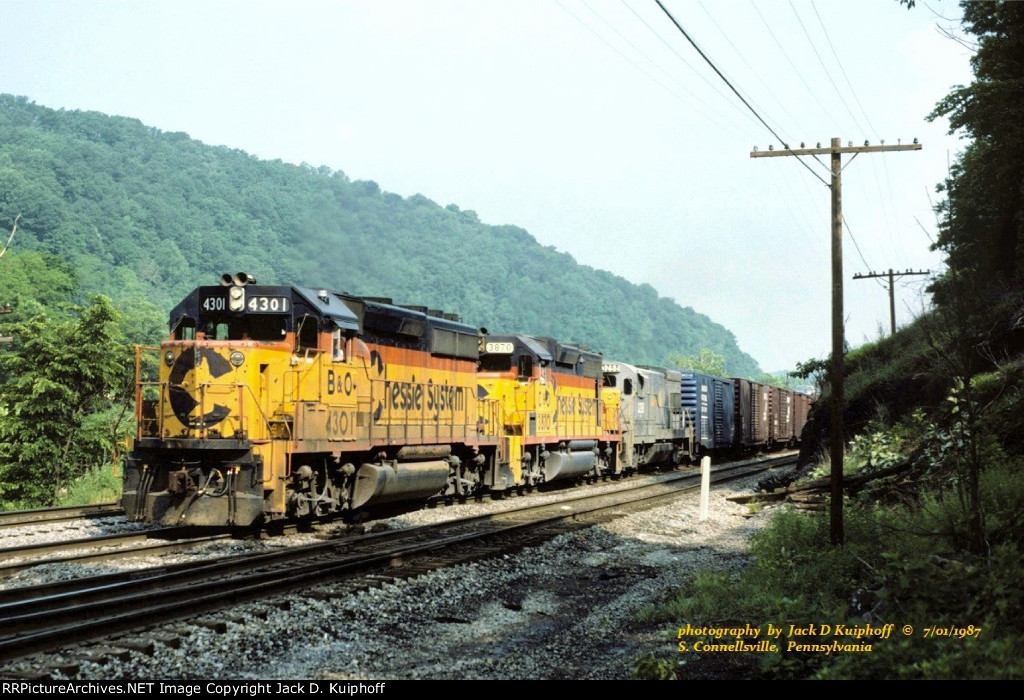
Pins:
x: 144, y: 214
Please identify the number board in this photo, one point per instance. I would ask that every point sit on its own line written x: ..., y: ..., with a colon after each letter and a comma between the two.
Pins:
x: 268, y: 305
x: 214, y: 303
x: 499, y: 348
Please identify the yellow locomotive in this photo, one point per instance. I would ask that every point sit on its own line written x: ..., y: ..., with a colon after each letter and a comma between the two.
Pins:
x: 555, y: 425
x: 283, y: 401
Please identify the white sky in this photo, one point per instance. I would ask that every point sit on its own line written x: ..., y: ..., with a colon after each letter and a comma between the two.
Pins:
x: 593, y: 124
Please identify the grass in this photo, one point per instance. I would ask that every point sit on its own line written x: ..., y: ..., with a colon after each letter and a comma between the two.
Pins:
x: 98, y: 485
x: 905, y: 562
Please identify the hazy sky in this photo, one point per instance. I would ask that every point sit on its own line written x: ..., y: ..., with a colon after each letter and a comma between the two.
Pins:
x: 593, y: 124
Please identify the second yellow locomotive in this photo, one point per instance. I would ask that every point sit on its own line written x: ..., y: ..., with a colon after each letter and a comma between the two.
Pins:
x: 555, y: 424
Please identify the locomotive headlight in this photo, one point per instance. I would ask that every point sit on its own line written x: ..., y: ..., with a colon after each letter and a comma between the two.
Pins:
x: 169, y: 358
x: 237, y: 358
x: 236, y: 299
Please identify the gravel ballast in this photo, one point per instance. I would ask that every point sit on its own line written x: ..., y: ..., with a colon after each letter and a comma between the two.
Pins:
x: 565, y: 609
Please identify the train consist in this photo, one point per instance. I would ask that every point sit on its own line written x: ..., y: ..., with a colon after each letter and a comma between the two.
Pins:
x: 277, y: 402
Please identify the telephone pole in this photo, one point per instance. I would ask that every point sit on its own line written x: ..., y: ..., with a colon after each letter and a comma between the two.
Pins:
x: 6, y: 309
x: 892, y: 293
x: 836, y: 150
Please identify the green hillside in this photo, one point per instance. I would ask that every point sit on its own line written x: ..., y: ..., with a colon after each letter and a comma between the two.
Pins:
x: 145, y: 216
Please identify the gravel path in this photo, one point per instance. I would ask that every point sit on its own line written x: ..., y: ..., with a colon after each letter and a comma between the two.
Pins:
x: 566, y: 609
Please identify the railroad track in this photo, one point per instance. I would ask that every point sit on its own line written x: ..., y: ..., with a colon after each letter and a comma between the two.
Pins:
x: 102, y: 548
x: 46, y: 617
x: 40, y: 516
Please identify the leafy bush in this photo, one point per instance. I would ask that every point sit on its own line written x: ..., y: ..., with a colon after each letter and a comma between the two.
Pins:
x: 97, y: 485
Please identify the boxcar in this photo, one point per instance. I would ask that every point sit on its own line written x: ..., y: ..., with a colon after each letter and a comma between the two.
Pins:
x: 709, y: 402
x: 751, y: 411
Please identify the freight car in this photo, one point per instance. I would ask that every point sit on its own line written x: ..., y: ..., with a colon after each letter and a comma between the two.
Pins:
x: 669, y: 416
x: 710, y: 400
x: 275, y: 402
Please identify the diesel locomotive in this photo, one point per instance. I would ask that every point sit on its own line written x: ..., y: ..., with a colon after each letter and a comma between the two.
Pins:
x: 279, y: 402
x: 282, y: 401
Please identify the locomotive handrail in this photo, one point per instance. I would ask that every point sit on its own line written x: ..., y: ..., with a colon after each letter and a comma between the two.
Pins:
x: 139, y: 384
x: 266, y: 420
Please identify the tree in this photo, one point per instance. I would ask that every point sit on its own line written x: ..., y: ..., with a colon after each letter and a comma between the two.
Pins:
x: 982, y: 234
x: 982, y: 228
x: 708, y: 362
x: 56, y: 376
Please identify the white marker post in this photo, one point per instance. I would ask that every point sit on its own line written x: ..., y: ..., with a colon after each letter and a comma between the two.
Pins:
x: 705, y: 486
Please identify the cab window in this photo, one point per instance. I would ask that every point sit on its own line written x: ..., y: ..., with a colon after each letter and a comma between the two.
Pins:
x: 495, y: 363
x: 308, y: 333
x: 337, y: 346
x: 186, y: 329
x: 222, y: 330
x: 525, y: 366
x: 266, y: 328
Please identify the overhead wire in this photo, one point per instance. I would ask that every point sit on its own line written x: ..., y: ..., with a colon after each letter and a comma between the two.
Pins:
x: 847, y: 107
x: 885, y: 161
x: 682, y: 58
x: 823, y: 67
x: 792, y: 65
x: 740, y: 54
x: 841, y: 69
x: 784, y: 193
x: 733, y: 88
x: 859, y: 251
x: 689, y: 103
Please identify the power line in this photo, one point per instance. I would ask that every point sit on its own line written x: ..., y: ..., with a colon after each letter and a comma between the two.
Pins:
x: 739, y: 54
x: 640, y: 68
x: 856, y: 245
x: 892, y: 288
x: 867, y: 118
x: 792, y: 65
x: 843, y: 71
x: 823, y: 67
x: 682, y: 58
x: 731, y: 87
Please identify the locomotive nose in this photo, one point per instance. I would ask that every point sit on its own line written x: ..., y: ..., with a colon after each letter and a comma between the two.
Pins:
x: 203, y: 390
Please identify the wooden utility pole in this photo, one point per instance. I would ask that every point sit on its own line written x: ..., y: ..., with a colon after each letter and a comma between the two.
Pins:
x: 836, y: 428
x: 6, y: 309
x: 892, y: 287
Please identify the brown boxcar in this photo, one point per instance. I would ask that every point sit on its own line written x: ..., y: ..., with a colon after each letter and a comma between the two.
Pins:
x: 751, y: 406
x: 781, y: 410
